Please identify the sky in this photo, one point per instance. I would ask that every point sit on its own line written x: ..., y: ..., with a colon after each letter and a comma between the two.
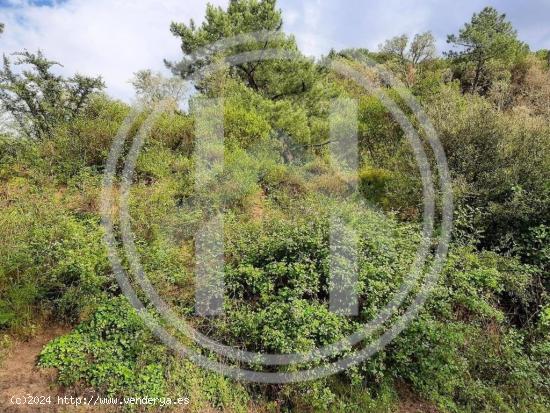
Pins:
x: 116, y: 38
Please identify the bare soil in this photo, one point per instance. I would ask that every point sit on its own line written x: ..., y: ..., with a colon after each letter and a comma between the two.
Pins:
x: 19, y: 376
x: 411, y: 403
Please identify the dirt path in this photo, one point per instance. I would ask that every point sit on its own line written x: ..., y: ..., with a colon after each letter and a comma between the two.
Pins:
x: 19, y: 376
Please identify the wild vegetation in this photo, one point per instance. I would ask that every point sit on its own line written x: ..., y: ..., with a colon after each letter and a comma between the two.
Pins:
x: 481, y: 343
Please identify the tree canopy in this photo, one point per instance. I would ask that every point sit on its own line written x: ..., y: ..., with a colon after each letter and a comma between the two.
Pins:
x: 422, y: 48
x: 260, y: 22
x: 37, y: 98
x: 482, y: 47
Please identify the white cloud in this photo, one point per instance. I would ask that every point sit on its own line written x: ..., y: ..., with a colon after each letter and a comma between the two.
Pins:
x: 114, y: 38
x: 357, y: 23
x: 305, y: 20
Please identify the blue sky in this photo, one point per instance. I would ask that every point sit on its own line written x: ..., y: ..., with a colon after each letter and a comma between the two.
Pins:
x: 115, y: 38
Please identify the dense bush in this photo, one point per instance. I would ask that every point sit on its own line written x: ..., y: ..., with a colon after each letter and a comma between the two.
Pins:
x: 51, y: 259
x: 114, y: 353
x: 480, y: 343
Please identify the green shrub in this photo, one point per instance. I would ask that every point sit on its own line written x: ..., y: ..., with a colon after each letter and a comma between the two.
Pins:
x: 51, y: 261
x: 373, y: 183
x: 112, y: 351
x: 87, y: 140
x: 174, y: 131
